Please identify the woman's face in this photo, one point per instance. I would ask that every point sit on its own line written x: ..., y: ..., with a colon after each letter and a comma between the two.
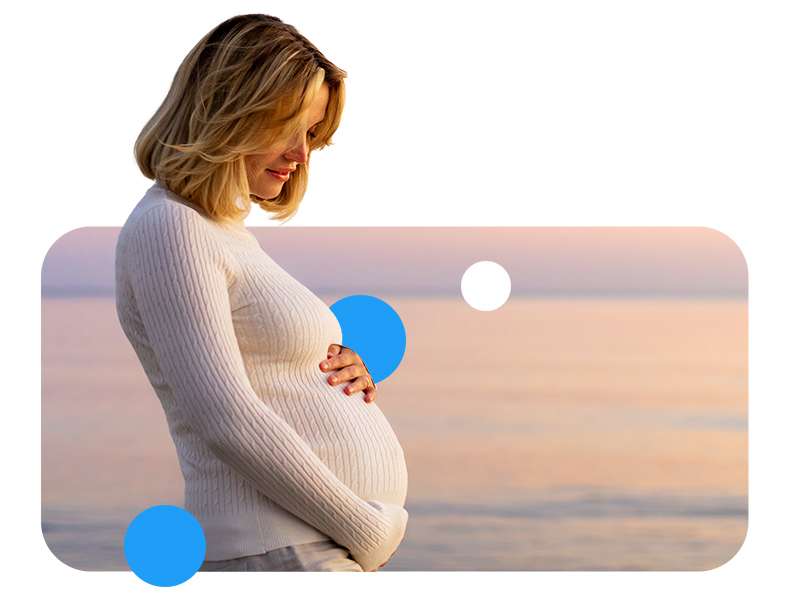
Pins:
x: 266, y: 173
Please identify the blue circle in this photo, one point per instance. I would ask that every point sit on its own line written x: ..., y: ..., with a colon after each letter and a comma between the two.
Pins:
x: 374, y: 331
x: 165, y: 545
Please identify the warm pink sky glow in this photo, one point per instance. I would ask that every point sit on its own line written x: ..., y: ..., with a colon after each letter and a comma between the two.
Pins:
x: 651, y: 261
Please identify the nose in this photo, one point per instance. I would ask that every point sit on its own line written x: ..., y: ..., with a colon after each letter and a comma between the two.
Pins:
x: 298, y: 150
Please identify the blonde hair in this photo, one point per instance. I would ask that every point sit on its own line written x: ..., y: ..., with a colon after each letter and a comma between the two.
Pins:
x: 243, y: 88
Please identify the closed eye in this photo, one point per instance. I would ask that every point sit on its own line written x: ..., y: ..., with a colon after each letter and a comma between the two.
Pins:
x: 314, y: 126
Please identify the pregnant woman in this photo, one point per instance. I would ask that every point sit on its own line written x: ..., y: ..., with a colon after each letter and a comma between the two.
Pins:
x: 287, y: 462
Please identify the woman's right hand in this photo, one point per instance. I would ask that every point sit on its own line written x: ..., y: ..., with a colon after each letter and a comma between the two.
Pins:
x: 375, y: 557
x: 387, y: 560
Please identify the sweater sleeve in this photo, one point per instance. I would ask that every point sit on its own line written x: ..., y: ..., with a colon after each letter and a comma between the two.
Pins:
x: 181, y: 292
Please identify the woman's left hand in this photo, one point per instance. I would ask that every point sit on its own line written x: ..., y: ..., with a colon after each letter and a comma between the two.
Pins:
x: 347, y: 366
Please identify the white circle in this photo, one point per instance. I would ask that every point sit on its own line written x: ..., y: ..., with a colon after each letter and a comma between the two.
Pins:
x: 486, y: 285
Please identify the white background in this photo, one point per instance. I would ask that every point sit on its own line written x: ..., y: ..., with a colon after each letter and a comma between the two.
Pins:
x: 458, y: 113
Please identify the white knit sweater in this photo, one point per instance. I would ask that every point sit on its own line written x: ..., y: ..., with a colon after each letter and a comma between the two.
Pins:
x: 272, y: 455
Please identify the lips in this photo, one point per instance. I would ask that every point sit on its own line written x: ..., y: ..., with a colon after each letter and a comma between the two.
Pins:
x: 280, y: 174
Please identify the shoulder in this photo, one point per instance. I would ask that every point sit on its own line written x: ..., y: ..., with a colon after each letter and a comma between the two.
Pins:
x: 161, y: 206
x: 163, y: 220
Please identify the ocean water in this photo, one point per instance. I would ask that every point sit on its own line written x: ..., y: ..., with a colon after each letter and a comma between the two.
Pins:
x: 551, y: 434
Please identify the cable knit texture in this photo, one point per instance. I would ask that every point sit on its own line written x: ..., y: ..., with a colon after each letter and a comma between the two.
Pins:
x: 272, y: 455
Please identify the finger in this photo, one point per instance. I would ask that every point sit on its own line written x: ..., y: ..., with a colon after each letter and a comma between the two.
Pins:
x: 357, y: 385
x: 348, y: 355
x: 334, y: 349
x: 349, y: 374
x: 339, y: 361
x: 370, y: 394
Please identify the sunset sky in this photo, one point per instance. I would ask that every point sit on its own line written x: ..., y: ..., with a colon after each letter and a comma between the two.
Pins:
x: 613, y: 261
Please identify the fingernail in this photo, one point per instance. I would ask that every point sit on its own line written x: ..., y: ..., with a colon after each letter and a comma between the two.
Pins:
x: 334, y: 379
x: 324, y: 365
x: 349, y: 391
x: 330, y: 354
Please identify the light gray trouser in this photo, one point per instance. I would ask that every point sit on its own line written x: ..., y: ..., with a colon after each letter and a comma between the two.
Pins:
x: 317, y: 556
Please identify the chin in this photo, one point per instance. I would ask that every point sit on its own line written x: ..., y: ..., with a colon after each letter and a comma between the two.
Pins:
x: 265, y: 195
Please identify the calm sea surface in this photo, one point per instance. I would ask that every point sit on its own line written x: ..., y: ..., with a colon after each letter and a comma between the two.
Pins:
x: 546, y: 435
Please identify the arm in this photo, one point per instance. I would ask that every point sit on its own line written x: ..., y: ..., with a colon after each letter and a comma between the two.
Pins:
x: 181, y: 292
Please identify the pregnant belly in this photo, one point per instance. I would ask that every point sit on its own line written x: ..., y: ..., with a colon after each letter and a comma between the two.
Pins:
x: 351, y: 437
